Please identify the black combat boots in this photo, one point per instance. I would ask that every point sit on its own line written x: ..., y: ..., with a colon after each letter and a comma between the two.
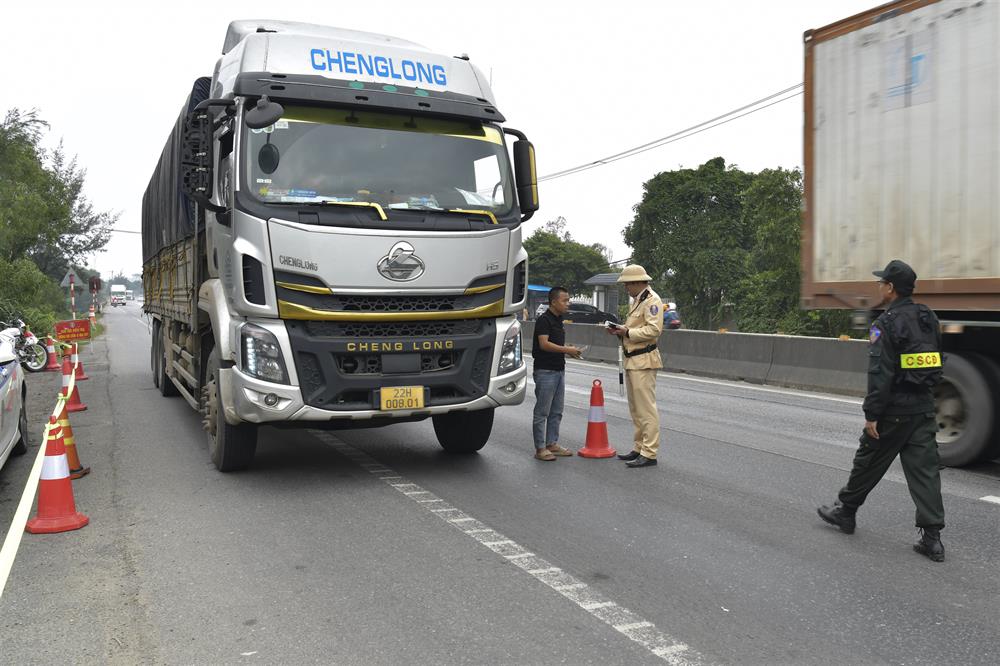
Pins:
x: 838, y: 516
x: 930, y: 544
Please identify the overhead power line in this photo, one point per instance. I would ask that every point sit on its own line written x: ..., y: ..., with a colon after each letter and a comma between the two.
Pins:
x: 745, y: 110
x: 125, y: 231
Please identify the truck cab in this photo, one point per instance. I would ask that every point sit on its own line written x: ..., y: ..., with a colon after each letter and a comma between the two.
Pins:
x: 349, y: 252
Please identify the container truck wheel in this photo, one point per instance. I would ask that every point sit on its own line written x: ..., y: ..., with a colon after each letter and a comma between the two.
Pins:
x: 965, y: 409
x: 463, y: 432
x: 231, y: 447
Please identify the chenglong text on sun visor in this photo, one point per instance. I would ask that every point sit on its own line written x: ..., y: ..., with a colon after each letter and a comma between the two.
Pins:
x: 348, y: 62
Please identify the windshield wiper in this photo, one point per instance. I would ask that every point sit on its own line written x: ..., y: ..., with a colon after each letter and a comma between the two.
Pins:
x: 363, y: 204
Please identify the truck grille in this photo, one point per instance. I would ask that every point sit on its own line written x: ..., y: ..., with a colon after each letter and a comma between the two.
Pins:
x: 399, y: 303
x: 394, y: 329
x: 337, y: 377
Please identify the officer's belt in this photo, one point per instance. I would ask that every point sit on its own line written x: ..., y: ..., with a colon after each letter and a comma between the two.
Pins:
x: 637, y: 352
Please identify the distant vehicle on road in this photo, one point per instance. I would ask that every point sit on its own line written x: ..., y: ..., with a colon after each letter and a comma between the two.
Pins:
x: 671, y: 318
x: 584, y: 313
x: 129, y: 296
x: 13, y: 413
x: 117, y: 295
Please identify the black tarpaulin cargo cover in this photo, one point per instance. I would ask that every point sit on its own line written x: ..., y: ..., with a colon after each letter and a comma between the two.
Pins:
x: 168, y: 216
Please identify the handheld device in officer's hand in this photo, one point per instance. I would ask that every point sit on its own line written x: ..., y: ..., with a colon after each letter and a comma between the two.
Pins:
x: 611, y: 325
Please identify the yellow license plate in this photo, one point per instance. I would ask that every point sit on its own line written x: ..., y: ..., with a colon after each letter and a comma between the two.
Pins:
x: 402, y: 397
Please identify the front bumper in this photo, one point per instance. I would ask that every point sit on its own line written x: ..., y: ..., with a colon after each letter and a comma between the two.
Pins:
x: 243, y: 400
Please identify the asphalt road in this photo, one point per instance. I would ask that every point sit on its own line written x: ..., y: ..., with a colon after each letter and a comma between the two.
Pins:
x: 373, y: 546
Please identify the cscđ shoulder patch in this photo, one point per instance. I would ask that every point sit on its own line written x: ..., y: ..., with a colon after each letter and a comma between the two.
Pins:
x: 874, y: 333
x: 654, y: 309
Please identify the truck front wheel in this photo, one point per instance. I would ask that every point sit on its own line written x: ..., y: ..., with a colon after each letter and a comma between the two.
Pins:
x: 965, y: 409
x: 463, y: 432
x: 230, y: 447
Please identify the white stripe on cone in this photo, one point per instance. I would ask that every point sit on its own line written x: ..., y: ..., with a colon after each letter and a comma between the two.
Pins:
x: 55, y: 467
x: 596, y: 414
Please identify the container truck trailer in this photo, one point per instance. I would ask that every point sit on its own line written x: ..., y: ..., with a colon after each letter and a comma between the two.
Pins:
x: 902, y: 161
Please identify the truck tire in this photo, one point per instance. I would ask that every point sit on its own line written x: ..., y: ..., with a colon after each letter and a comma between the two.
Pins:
x: 230, y: 447
x: 463, y: 432
x: 965, y: 409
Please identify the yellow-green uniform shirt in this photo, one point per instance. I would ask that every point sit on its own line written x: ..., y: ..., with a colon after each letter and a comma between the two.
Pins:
x: 644, y: 324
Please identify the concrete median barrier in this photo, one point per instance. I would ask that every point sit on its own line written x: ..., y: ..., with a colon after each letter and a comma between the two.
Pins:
x: 819, y: 364
x: 743, y: 356
x: 823, y: 364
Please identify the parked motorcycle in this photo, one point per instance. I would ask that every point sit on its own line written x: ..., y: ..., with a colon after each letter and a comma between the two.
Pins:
x: 30, y: 353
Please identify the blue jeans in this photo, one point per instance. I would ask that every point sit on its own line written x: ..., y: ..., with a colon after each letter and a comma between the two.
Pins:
x: 550, y: 392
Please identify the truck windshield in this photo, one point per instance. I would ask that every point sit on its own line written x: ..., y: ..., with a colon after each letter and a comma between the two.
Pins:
x: 315, y: 156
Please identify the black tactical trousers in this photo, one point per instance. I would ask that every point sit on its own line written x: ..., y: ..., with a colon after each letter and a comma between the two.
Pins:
x: 912, y: 437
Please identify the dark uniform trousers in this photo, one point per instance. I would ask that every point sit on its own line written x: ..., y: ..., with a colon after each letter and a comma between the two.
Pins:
x: 913, y: 438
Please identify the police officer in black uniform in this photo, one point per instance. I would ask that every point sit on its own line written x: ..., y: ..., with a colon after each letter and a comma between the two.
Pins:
x: 904, y: 364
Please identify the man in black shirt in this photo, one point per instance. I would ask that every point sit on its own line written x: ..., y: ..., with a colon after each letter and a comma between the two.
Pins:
x: 549, y: 351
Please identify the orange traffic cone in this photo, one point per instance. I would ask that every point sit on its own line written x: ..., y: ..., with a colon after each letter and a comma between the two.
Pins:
x: 75, y: 359
x: 50, y: 348
x: 73, y: 402
x: 76, y: 468
x: 56, y: 507
x: 597, y: 427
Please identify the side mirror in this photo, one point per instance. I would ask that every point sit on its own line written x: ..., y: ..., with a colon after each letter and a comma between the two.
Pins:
x: 264, y: 114
x: 197, y: 157
x: 526, y: 177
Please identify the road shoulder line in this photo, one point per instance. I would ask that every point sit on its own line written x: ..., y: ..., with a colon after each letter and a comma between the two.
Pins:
x: 619, y: 618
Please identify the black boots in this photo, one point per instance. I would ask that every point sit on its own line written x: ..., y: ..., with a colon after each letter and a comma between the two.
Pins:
x: 930, y: 544
x: 631, y: 455
x: 838, y: 516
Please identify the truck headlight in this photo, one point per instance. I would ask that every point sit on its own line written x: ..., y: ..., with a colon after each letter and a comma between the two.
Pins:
x: 262, y: 355
x: 510, y: 351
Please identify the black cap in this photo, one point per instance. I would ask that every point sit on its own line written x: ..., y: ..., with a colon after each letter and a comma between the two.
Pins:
x: 900, y: 275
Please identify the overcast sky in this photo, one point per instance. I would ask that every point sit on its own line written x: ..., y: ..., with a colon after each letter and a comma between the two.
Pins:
x: 583, y: 79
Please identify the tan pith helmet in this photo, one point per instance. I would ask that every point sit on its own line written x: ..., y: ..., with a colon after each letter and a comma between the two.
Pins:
x: 634, y: 273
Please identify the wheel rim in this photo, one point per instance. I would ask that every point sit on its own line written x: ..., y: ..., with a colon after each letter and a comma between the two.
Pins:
x: 951, y: 413
x: 37, y: 358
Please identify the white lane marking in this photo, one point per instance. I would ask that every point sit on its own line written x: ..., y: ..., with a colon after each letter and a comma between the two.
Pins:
x: 730, y: 384
x: 13, y: 539
x: 991, y: 498
x: 621, y: 619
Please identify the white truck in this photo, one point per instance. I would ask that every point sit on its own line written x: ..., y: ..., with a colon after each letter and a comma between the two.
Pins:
x: 117, y: 295
x: 347, y: 251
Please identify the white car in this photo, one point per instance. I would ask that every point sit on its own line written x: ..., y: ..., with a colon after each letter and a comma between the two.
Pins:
x: 13, y: 414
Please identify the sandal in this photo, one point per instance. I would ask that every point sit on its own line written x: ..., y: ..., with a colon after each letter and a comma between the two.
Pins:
x: 557, y: 450
x: 544, y: 454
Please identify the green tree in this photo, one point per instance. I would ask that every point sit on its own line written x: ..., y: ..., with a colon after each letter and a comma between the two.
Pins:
x: 555, y: 259
x: 767, y: 300
x: 691, y: 237
x: 26, y: 292
x: 44, y: 214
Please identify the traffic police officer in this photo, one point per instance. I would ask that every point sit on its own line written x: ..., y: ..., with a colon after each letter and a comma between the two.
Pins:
x: 904, y: 364
x: 639, y: 336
